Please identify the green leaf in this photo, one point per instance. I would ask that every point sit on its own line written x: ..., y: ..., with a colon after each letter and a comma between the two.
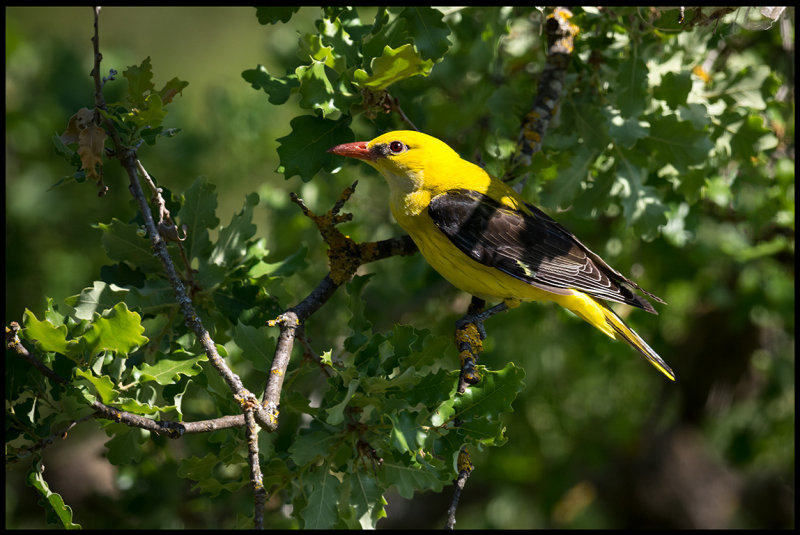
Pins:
x: 392, y: 66
x: 309, y: 446
x: 495, y: 392
x: 137, y: 407
x: 151, y: 114
x: 744, y: 87
x: 172, y: 88
x: 434, y: 388
x: 118, y: 330
x: 484, y: 431
x: 405, y: 432
x: 52, y: 314
x: 335, y: 413
x: 753, y: 137
x: 302, y: 152
x: 167, y: 371
x: 140, y: 82
x: 285, y: 268
x: 426, y: 26
x: 203, y: 470
x: 342, y: 34
x: 641, y: 204
x: 626, y: 132
x: 311, y: 47
x: 47, y: 336
x: 366, y: 497
x: 198, y: 213
x: 492, y: 396
x: 256, y: 344
x: 414, y: 349
x: 57, y: 512
x: 277, y: 89
x: 154, y: 296
x: 674, y: 89
x: 125, y: 446
x: 408, y: 475
x: 560, y: 193
x: 176, y: 392
x: 103, y: 385
x: 232, y: 242
x: 129, y: 243
x: 272, y: 15
x: 321, y: 511
x: 322, y: 89
x: 358, y: 321
x: 99, y: 297
x: 385, y: 32
x: 631, y: 85
x: 692, y: 183
x: 677, y: 143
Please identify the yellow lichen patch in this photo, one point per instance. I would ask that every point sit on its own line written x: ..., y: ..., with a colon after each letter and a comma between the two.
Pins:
x: 469, y: 334
x: 464, y: 462
x: 530, y: 135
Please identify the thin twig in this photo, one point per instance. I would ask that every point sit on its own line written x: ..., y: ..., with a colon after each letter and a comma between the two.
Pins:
x: 465, y: 468
x: 101, y: 410
x: 256, y: 479
x: 345, y: 256
x: 42, y: 443
x: 560, y: 36
x: 395, y: 105
x: 128, y: 160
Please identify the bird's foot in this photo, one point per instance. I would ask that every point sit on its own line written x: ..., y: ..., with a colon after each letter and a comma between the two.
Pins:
x: 478, y: 318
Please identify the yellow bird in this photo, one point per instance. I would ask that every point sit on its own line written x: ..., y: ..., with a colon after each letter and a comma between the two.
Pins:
x: 483, y: 237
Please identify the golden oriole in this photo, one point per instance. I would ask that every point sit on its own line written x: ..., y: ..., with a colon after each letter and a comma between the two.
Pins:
x: 483, y: 237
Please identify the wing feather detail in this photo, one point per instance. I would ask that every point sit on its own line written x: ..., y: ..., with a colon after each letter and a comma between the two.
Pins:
x: 531, y: 247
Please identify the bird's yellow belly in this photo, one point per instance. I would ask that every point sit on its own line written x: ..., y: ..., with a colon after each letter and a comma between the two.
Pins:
x: 465, y: 273
x: 491, y: 284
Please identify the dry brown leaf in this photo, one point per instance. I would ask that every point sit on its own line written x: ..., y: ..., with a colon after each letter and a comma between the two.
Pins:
x: 90, y: 149
x: 77, y: 123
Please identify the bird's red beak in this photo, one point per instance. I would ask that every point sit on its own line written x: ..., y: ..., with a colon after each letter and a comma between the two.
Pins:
x: 357, y: 149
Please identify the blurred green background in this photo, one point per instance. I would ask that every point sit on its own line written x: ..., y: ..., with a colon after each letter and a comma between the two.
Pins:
x: 598, y: 439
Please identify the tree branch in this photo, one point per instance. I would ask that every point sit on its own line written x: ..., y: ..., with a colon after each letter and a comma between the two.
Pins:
x: 465, y: 468
x: 560, y: 43
x: 129, y: 162
x: 101, y: 410
x: 345, y: 257
x: 256, y: 479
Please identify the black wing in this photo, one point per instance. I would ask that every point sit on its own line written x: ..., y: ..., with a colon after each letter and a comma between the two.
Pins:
x: 532, y: 248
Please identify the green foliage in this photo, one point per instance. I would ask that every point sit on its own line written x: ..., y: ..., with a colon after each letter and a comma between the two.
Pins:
x: 672, y: 144
x: 388, y: 396
x: 343, y: 61
x: 57, y: 512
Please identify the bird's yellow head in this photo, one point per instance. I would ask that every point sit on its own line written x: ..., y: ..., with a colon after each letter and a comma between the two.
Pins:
x: 406, y: 158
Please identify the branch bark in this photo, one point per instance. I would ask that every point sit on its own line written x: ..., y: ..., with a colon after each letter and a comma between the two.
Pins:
x: 345, y: 256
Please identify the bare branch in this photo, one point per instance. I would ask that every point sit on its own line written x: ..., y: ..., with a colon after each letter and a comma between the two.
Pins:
x: 560, y: 36
x: 129, y: 161
x: 465, y: 468
x: 345, y: 256
x: 256, y: 479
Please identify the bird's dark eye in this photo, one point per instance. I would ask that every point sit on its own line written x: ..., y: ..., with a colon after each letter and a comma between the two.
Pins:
x: 397, y: 147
